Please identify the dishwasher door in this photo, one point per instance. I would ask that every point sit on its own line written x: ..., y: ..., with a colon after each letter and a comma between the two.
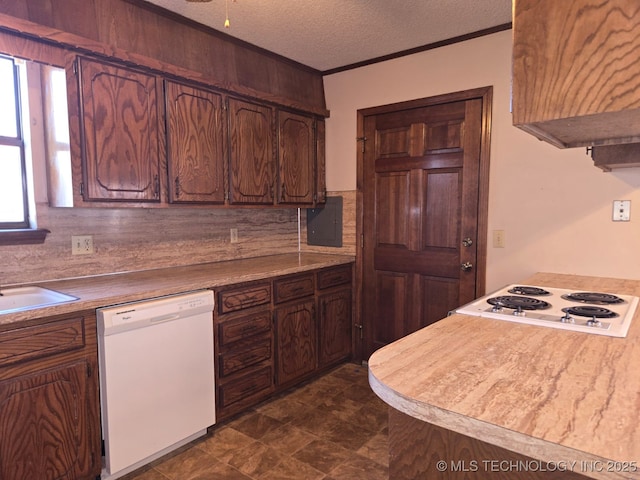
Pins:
x: 156, y: 377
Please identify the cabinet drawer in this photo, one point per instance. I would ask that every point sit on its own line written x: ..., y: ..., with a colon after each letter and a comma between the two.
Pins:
x: 295, y: 287
x: 244, y: 297
x: 235, y: 360
x: 334, y: 276
x: 39, y: 341
x: 236, y: 329
x: 244, y: 387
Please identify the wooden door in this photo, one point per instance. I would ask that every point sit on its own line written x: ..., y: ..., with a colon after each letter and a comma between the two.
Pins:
x: 120, y: 133
x: 295, y: 341
x: 252, y: 157
x: 195, y: 144
x: 296, y: 159
x: 421, y: 204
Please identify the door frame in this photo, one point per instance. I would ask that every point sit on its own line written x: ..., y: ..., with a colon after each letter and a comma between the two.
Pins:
x: 485, y: 94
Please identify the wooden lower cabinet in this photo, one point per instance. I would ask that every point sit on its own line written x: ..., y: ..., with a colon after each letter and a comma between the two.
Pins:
x: 334, y: 311
x: 274, y: 333
x: 421, y: 450
x: 296, y: 341
x: 244, y: 356
x: 49, y: 404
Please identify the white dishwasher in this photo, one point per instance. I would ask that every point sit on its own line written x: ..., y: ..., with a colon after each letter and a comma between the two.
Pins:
x: 157, y: 388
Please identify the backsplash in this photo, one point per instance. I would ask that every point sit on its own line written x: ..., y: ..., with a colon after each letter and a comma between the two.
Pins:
x: 129, y: 239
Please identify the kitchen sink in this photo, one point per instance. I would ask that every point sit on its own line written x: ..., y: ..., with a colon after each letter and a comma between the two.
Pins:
x: 23, y: 298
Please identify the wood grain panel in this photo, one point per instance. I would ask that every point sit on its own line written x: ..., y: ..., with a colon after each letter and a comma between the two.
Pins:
x: 144, y: 34
x: 296, y: 341
x: 43, y: 340
x: 252, y: 160
x: 244, y: 297
x: 120, y: 131
x: 437, y: 294
x: 235, y: 329
x: 296, y: 158
x: 443, y: 198
x: 239, y: 358
x: 335, y: 327
x: 575, y: 70
x: 292, y: 288
x: 393, y: 209
x: 196, y: 144
x: 392, y: 305
x: 27, y: 430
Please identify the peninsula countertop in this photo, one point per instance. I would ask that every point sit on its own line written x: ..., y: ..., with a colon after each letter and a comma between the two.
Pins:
x: 103, y: 290
x: 552, y: 395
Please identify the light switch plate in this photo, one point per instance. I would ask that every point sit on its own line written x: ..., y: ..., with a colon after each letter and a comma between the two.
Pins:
x: 621, y: 210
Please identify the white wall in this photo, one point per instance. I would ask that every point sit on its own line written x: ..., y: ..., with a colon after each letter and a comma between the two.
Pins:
x: 554, y: 205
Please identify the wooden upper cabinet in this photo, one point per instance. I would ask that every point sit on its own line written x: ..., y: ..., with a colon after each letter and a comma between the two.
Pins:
x: 296, y: 159
x: 120, y: 133
x: 576, y: 74
x: 195, y: 144
x: 252, y: 158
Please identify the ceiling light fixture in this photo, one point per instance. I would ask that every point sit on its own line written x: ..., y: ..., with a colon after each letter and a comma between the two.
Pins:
x: 227, y: 24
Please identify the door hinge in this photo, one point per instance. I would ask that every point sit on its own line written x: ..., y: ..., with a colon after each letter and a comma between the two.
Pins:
x: 363, y: 140
x: 362, y: 240
x: 359, y: 327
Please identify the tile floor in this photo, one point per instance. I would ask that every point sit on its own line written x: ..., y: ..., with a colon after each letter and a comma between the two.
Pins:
x: 330, y: 428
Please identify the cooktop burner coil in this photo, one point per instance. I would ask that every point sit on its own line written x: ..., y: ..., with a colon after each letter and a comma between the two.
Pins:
x: 527, y: 290
x: 515, y: 302
x: 593, y: 298
x: 590, y: 311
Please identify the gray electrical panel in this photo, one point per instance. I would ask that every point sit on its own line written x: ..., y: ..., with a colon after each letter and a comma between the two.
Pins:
x: 324, y: 225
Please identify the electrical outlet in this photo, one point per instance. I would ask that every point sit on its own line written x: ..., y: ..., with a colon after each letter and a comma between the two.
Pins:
x: 234, y: 235
x: 621, y: 210
x: 81, y: 244
x: 498, y: 239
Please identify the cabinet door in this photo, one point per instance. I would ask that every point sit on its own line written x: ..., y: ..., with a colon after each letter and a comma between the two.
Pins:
x: 296, y: 341
x: 45, y: 425
x: 195, y: 144
x: 252, y: 160
x: 120, y: 133
x: 335, y: 327
x: 296, y: 159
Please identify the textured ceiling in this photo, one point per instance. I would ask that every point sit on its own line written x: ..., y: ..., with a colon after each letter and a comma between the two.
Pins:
x: 329, y: 34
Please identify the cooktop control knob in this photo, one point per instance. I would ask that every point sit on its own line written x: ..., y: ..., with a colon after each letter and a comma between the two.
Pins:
x: 519, y: 312
x: 566, y: 318
x: 594, y: 322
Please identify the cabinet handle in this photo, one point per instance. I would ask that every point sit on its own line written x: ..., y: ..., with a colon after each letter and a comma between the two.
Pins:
x: 177, y: 184
x: 283, y: 192
x: 156, y: 186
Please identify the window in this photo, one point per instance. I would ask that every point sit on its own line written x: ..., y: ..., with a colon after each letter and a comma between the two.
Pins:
x: 14, y: 200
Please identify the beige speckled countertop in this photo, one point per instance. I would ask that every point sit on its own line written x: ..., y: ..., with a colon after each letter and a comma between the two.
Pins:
x: 103, y: 290
x: 550, y: 394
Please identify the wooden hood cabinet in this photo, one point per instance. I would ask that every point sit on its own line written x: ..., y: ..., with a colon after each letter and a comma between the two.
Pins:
x: 164, y: 111
x: 576, y: 74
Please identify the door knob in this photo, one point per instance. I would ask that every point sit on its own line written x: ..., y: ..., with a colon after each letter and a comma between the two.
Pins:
x: 467, y: 242
x: 466, y: 266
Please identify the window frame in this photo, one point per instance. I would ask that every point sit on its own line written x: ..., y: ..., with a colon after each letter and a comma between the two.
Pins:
x: 18, y: 141
x: 20, y: 232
